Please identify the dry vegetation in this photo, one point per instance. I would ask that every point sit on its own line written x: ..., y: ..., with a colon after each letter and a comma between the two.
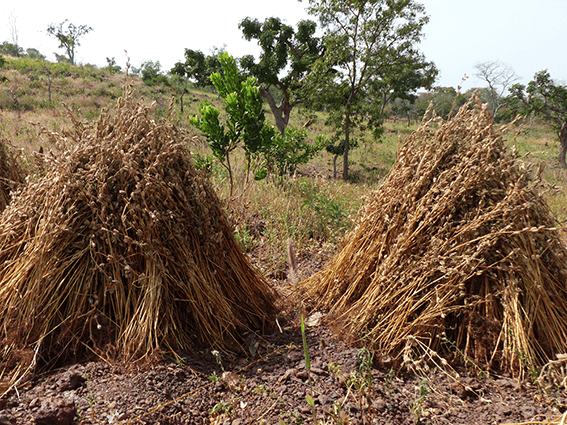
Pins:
x: 115, y: 224
x: 11, y: 173
x: 121, y: 249
x: 456, y: 246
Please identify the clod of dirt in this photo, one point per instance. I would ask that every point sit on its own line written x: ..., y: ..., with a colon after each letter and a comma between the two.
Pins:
x: 71, y: 380
x: 60, y: 411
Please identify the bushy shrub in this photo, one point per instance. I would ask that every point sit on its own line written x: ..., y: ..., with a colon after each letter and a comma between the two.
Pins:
x: 286, y: 153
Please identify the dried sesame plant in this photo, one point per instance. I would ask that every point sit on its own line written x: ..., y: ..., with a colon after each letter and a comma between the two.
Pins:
x: 456, y: 245
x: 11, y: 173
x: 122, y: 249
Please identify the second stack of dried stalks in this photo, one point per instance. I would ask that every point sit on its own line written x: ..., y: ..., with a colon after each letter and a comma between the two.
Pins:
x: 456, y: 247
x: 122, y: 249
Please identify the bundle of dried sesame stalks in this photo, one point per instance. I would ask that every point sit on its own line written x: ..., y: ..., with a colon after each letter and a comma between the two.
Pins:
x: 455, y: 247
x: 122, y: 249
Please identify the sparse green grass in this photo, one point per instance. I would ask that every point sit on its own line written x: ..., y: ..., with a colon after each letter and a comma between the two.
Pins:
x: 538, y: 145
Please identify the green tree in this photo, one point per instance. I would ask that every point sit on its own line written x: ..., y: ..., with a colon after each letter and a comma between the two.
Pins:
x: 543, y: 97
x: 336, y: 147
x: 34, y: 54
x: 198, y: 67
x: 405, y: 108
x: 287, y: 152
x: 11, y: 49
x: 112, y: 67
x: 370, y: 49
x: 245, y: 117
x: 68, y: 35
x: 446, y: 101
x: 151, y: 73
x: 400, y: 81
x: 286, y: 58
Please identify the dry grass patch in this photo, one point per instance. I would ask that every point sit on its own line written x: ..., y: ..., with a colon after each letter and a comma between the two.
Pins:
x: 122, y: 249
x: 11, y: 173
x: 456, y: 249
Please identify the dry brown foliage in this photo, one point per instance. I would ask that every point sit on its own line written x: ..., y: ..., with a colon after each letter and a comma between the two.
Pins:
x: 122, y: 249
x: 11, y: 173
x: 456, y: 246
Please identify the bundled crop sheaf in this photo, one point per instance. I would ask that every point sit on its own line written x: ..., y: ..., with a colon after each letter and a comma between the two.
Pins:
x: 121, y: 249
x: 456, y: 246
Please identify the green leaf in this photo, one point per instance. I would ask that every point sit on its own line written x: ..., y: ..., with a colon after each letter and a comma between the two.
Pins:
x: 310, y: 400
x: 305, y: 346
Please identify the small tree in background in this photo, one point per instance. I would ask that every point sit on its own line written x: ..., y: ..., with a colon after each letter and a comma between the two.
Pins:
x: 287, y: 152
x: 545, y: 98
x: 245, y: 117
x: 11, y: 49
x: 446, y: 101
x: 112, y: 67
x: 34, y: 54
x: 151, y: 73
x: 68, y: 35
x: 499, y: 78
x: 336, y: 147
x: 198, y: 67
x: 370, y: 47
x: 285, y: 60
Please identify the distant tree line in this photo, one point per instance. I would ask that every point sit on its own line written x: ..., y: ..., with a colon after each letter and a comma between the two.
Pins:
x: 364, y: 68
x: 10, y: 49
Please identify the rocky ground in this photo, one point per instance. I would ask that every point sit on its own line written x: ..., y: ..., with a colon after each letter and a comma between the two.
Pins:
x: 272, y: 385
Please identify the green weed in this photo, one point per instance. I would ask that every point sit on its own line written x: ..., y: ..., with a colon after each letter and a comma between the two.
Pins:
x: 421, y: 393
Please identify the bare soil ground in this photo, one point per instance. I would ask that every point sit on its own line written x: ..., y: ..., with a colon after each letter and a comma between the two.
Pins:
x: 272, y: 386
x: 269, y: 383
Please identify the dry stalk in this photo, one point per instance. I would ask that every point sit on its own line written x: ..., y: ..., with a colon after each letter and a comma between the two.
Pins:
x: 458, y: 241
x: 122, y: 249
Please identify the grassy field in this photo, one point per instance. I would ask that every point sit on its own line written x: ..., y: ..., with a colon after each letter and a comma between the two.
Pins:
x: 311, y: 207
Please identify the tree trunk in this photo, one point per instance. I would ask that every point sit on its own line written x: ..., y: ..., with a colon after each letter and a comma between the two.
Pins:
x: 281, y: 113
x: 335, y: 166
x: 563, y: 144
x: 347, y: 146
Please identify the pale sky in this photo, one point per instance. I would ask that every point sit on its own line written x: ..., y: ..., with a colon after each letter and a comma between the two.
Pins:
x: 526, y: 35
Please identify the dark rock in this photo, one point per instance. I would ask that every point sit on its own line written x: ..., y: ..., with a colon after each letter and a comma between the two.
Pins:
x: 507, y: 383
x: 56, y: 412
x: 70, y: 380
x: 467, y: 388
x: 529, y: 412
x: 180, y: 374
